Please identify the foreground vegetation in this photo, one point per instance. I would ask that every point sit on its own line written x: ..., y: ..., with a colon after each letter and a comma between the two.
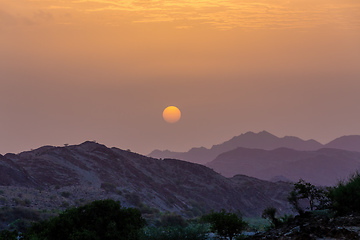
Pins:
x: 343, y: 199
x: 106, y: 219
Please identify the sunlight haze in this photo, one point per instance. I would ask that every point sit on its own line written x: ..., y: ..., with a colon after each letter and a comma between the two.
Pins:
x: 72, y: 71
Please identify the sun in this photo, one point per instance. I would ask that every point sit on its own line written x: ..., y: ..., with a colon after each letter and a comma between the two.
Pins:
x: 171, y: 114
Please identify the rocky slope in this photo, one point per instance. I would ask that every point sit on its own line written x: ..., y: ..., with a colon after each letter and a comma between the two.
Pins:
x: 50, y: 177
x: 315, y: 227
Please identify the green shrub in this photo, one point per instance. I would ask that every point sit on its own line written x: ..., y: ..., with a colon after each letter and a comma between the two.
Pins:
x: 99, y: 220
x: 108, y: 187
x: 18, y: 218
x: 345, y: 197
x: 192, y: 231
x: 269, y: 214
x: 172, y: 220
x: 256, y: 224
x: 146, y: 209
x: 133, y: 199
x: 225, y: 224
x: 286, y: 218
x: 65, y: 204
x: 197, y: 209
x: 20, y: 202
x: 9, y: 235
x: 65, y: 194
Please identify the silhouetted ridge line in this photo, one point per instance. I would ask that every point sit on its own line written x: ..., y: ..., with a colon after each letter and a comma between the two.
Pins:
x: 262, y: 140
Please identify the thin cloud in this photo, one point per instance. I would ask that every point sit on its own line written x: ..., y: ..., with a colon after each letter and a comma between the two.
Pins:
x: 224, y: 13
x: 43, y: 15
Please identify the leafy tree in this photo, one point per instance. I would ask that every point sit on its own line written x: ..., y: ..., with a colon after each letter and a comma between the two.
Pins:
x: 345, y: 197
x: 99, y: 220
x: 294, y: 200
x: 9, y: 235
x: 305, y: 190
x: 225, y: 224
x: 269, y: 213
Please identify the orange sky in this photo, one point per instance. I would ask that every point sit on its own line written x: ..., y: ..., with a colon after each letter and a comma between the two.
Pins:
x: 81, y: 70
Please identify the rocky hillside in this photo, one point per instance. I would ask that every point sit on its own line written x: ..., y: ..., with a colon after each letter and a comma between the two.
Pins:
x: 314, y: 226
x: 52, y: 176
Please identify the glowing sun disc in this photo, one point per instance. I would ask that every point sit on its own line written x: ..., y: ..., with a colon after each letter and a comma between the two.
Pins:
x: 171, y: 114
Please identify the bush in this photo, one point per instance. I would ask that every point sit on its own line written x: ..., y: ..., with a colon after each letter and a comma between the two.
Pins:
x: 18, y: 218
x: 172, y: 220
x: 25, y: 202
x: 345, y: 197
x: 108, y: 187
x: 133, y: 199
x: 192, y: 231
x: 99, y: 220
x: 269, y: 214
x: 145, y: 209
x: 65, y: 194
x: 225, y: 224
x: 9, y: 235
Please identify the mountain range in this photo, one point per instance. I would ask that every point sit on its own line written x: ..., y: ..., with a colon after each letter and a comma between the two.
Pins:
x: 265, y: 156
x: 248, y: 178
x: 324, y: 167
x: 262, y: 140
x: 50, y: 177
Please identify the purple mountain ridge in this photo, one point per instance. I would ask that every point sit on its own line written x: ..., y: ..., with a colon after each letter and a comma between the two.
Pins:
x: 321, y: 167
x: 350, y: 143
x: 266, y: 156
x: 261, y: 140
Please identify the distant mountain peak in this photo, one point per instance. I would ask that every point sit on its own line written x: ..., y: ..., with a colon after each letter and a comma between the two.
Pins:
x: 90, y: 143
x: 247, y: 133
x: 261, y: 140
x: 348, y: 142
x: 265, y: 133
x: 250, y: 134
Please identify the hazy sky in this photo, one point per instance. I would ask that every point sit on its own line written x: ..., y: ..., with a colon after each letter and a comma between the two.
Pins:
x: 104, y: 70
